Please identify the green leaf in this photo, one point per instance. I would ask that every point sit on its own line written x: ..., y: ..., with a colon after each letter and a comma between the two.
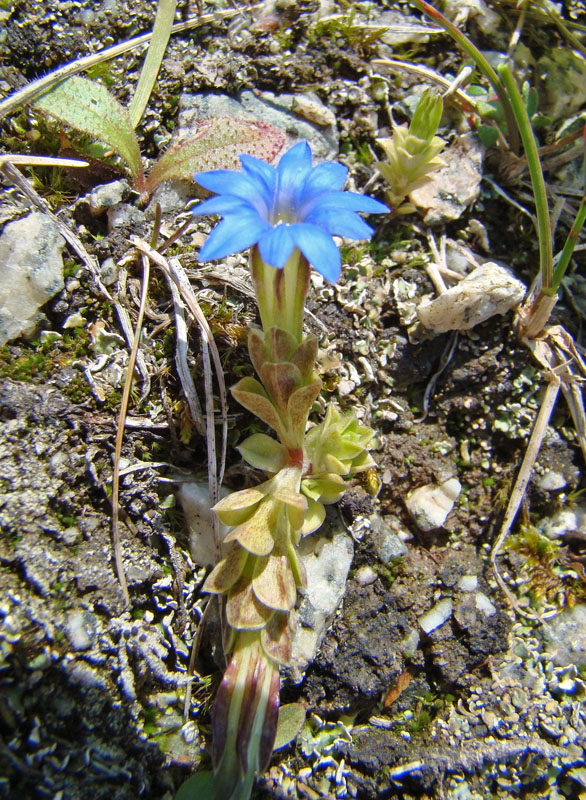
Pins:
x: 263, y: 452
x: 488, y: 135
x: 89, y: 107
x: 198, y: 787
x: 291, y: 721
x: 217, y: 144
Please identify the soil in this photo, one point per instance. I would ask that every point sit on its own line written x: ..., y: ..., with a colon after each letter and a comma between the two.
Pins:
x: 91, y: 691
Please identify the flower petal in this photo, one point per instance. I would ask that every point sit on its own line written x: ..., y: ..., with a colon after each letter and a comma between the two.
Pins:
x: 237, y: 184
x: 327, y: 177
x: 350, y: 201
x: 222, y: 204
x: 292, y: 170
x: 235, y: 233
x: 262, y: 171
x: 276, y: 245
x: 338, y: 222
x: 318, y: 248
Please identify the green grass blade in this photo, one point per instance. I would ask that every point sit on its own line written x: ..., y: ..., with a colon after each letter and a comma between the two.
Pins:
x: 537, y: 181
x: 152, y: 62
x: 573, y: 235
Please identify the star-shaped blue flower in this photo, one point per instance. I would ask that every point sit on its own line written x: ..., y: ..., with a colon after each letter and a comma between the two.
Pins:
x: 280, y: 208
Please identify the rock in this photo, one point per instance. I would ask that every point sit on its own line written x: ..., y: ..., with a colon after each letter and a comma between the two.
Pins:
x: 31, y: 272
x: 387, y: 544
x: 80, y: 630
x: 195, y: 501
x: 468, y: 583
x: 365, y: 576
x: 562, y: 82
x: 437, y: 616
x: 327, y: 562
x: 551, y: 481
x: 566, y: 637
x: 108, y: 272
x: 124, y: 215
x: 107, y: 195
x: 566, y: 520
x: 488, y: 290
x: 430, y: 505
x: 451, y: 189
x: 277, y: 110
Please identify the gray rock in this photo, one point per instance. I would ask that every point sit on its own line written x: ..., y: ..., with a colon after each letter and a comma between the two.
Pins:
x: 80, y: 630
x: 551, y: 481
x: 31, y: 272
x: 124, y: 215
x: 566, y: 520
x: 489, y: 290
x: 387, y: 544
x: 327, y: 562
x: 278, y: 110
x: 108, y: 272
x: 566, y: 637
x: 451, y: 189
x: 107, y: 195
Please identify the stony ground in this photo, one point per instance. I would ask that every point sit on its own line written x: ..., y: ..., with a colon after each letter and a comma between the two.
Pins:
x: 426, y: 684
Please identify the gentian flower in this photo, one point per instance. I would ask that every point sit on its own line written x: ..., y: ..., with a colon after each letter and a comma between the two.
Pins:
x: 292, y: 205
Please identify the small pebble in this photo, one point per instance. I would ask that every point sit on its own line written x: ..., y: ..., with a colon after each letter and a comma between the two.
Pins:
x: 438, y: 615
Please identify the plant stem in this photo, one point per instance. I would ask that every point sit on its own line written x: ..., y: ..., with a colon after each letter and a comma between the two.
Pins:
x: 151, y: 65
x: 537, y: 181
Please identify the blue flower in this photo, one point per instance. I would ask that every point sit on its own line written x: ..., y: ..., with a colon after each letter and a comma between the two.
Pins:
x: 284, y: 207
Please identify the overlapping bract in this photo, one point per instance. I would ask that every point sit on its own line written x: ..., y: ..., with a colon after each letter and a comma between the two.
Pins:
x: 413, y: 153
x: 280, y: 208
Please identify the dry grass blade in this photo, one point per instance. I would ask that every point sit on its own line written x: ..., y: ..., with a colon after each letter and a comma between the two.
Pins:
x: 41, y: 161
x: 126, y: 325
x: 393, y: 64
x: 120, y: 432
x: 91, y: 262
x: 521, y: 483
x: 174, y: 269
x: 181, y: 359
x: 556, y: 352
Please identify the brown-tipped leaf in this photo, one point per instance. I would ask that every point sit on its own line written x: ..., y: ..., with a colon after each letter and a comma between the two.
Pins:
x: 304, y: 356
x: 279, y: 344
x: 256, y: 534
x: 226, y: 573
x: 256, y: 349
x: 273, y: 582
x: 276, y: 638
x: 238, y: 506
x: 252, y: 396
x: 243, y: 610
x: 300, y: 404
x: 281, y: 380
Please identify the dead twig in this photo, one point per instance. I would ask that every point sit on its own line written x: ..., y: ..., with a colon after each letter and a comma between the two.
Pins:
x: 120, y: 432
